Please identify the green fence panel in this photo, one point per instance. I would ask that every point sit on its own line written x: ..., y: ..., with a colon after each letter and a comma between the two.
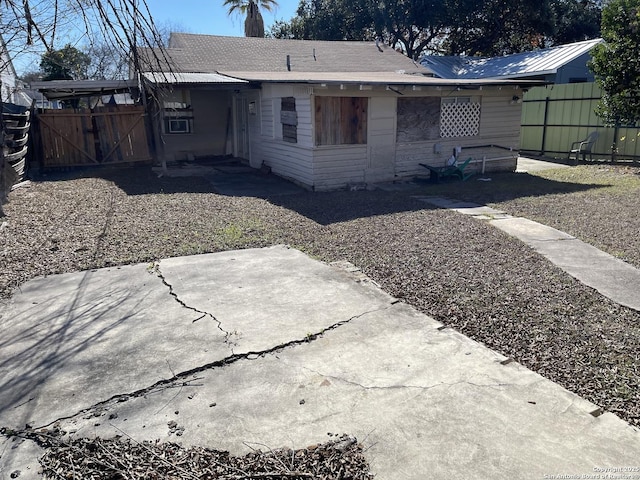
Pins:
x: 556, y: 115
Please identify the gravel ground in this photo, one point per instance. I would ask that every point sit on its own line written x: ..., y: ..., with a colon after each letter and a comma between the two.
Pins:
x: 596, y: 203
x: 459, y: 270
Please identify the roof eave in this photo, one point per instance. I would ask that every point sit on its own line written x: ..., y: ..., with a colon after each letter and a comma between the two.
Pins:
x: 65, y: 89
x: 522, y: 76
x: 409, y: 80
x: 192, y: 79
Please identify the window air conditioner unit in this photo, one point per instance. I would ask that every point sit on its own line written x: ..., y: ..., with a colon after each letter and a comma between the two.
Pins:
x: 179, y: 126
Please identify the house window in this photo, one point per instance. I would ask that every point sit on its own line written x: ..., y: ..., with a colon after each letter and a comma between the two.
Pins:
x: 341, y: 120
x: 177, y: 113
x: 418, y: 119
x: 459, y: 117
x: 289, y: 119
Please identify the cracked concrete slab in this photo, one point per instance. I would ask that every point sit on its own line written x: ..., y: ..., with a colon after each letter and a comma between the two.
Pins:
x: 79, y: 338
x: 72, y: 339
x: 424, y: 400
x: 295, y: 299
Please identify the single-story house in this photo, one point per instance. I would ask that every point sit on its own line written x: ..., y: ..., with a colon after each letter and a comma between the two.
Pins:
x: 555, y: 65
x: 325, y: 114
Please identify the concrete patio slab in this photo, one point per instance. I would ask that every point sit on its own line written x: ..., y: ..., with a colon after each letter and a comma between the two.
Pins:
x: 532, y: 165
x: 267, y: 348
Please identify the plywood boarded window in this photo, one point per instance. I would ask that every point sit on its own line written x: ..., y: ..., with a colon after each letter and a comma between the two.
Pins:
x: 341, y: 120
x: 418, y: 119
x: 289, y: 119
x: 460, y: 117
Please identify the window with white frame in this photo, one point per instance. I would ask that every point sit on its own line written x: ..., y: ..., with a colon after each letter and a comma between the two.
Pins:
x: 177, y: 112
x: 459, y: 117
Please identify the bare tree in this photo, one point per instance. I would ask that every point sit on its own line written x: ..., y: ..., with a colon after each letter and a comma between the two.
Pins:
x: 107, y: 62
x: 41, y: 25
x: 166, y: 27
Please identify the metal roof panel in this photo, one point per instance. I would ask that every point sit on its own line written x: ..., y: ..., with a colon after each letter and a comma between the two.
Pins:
x: 536, y: 62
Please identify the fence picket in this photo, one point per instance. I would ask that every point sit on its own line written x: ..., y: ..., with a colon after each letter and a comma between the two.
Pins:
x: 108, y: 135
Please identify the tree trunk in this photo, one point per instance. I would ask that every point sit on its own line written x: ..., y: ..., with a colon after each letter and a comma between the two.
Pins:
x: 253, y: 24
x: 3, y: 180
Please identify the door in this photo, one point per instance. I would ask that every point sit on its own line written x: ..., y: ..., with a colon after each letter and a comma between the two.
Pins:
x: 381, y: 140
x: 241, y: 128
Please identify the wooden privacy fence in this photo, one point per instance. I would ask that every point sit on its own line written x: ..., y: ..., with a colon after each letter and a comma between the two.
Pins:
x: 103, y: 136
x: 555, y: 116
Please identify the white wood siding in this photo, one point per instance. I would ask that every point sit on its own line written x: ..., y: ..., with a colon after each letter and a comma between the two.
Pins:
x: 7, y: 76
x: 305, y: 121
x: 338, y: 166
x: 332, y: 167
x: 500, y: 120
x: 289, y: 160
x: 499, y: 125
x: 266, y: 117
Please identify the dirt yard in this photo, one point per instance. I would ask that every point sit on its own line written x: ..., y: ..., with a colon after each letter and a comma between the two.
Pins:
x: 459, y: 270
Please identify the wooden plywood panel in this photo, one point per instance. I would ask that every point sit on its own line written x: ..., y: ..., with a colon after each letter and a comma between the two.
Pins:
x: 418, y: 119
x: 109, y: 135
x: 66, y: 139
x: 340, y: 120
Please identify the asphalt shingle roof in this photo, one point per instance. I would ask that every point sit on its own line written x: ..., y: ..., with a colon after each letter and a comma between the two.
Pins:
x: 193, y: 57
x: 210, y: 53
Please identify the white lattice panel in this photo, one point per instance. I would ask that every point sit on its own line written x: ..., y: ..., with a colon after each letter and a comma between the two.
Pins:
x: 459, y: 119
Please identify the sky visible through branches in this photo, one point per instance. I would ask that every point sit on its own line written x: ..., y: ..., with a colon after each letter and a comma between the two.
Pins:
x: 81, y: 23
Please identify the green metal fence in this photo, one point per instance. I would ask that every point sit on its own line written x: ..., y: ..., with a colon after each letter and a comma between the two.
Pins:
x: 555, y: 116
